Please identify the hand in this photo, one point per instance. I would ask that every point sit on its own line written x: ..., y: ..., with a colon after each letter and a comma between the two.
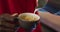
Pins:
x: 6, y: 24
x: 40, y: 13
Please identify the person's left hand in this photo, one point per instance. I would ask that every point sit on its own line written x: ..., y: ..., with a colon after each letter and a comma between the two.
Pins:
x: 6, y: 24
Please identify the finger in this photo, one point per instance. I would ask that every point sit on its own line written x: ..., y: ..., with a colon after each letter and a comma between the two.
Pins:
x: 38, y: 12
x: 15, y: 14
x: 7, y: 24
x: 6, y: 29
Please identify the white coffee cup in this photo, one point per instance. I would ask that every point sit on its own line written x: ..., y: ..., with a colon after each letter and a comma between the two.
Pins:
x: 28, y: 23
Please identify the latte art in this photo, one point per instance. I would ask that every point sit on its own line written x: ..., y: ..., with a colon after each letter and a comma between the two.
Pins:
x: 28, y: 17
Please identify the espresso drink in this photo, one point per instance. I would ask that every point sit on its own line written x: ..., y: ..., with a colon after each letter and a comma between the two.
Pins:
x: 28, y: 17
x: 27, y: 20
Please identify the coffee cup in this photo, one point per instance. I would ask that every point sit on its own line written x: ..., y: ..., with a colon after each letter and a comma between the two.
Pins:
x: 28, y: 20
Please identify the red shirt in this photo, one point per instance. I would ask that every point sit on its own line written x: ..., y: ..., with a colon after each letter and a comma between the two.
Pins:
x: 17, y: 6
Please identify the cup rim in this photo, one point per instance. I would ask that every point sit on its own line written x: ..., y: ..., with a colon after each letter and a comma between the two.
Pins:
x: 38, y: 17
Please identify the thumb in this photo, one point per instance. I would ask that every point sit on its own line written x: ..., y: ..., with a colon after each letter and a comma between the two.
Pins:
x: 40, y: 12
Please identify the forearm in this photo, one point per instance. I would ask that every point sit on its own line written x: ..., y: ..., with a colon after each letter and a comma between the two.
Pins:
x: 50, y: 17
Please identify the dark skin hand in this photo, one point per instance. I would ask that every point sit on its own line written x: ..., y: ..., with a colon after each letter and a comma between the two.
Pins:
x: 6, y: 23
